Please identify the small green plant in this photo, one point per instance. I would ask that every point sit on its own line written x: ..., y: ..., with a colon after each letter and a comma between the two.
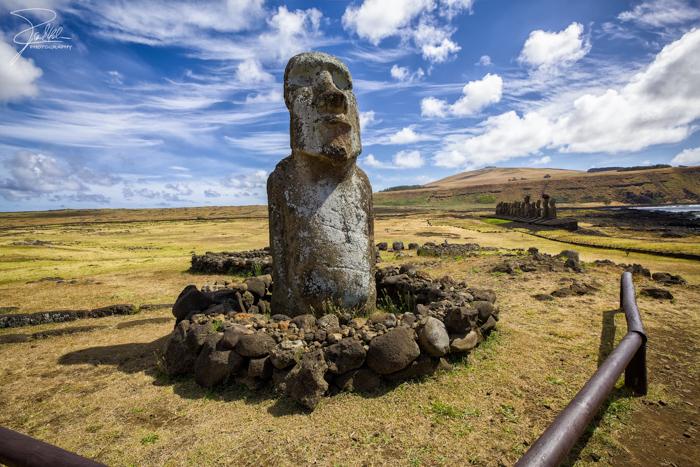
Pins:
x: 217, y: 325
x: 443, y: 409
x: 554, y: 380
x: 257, y: 269
x: 508, y: 412
x: 405, y: 303
x: 150, y: 438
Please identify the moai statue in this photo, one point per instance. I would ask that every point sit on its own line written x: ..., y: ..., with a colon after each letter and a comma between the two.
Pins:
x: 545, y: 202
x: 552, y: 208
x: 320, y: 201
x: 526, y: 206
x: 538, y: 208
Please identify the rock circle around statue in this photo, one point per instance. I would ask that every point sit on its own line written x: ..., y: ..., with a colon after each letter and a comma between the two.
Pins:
x: 229, y: 334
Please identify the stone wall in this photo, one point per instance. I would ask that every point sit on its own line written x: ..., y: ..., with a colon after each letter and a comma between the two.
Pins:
x: 253, y: 262
x: 305, y: 357
x: 30, y: 319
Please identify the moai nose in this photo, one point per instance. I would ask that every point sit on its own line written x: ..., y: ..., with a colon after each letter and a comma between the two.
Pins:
x: 328, y: 98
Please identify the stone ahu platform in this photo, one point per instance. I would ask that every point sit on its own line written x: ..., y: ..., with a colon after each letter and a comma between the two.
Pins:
x: 230, y: 334
x: 567, y: 224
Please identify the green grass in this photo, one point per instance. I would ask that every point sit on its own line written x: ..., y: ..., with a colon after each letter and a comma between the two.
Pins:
x: 494, y: 221
x: 150, y: 438
x: 666, y: 246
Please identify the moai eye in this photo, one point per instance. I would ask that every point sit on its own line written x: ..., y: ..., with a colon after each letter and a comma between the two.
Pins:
x: 341, y: 80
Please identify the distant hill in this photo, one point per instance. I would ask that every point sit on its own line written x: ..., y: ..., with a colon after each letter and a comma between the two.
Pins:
x: 491, y: 185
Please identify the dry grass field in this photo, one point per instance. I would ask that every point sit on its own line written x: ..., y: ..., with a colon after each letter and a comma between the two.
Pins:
x: 93, y: 386
x: 485, y: 187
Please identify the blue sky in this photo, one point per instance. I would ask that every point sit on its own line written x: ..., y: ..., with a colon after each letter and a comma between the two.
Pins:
x: 154, y: 103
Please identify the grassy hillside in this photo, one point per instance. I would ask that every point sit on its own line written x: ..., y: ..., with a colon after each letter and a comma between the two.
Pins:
x: 485, y: 187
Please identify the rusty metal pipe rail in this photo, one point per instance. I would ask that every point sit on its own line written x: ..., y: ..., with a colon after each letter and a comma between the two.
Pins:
x: 629, y: 356
x: 18, y: 450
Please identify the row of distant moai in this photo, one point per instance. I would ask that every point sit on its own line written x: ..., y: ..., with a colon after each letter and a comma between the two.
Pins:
x: 545, y: 208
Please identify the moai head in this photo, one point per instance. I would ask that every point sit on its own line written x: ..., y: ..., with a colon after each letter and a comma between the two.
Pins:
x: 527, y: 199
x: 539, y: 204
x: 324, y: 117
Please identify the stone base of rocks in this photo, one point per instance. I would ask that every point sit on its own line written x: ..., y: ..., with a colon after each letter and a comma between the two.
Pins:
x: 450, y: 249
x: 230, y: 335
x: 253, y: 262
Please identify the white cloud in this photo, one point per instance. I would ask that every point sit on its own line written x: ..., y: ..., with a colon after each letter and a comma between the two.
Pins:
x: 267, y: 142
x: 273, y: 96
x: 541, y: 161
x: 661, y: 13
x: 375, y: 20
x: 209, y: 193
x: 451, y: 8
x: 420, y: 21
x: 476, y: 95
x: 34, y: 174
x: 251, y: 72
x: 401, y: 160
x: 404, y: 75
x: 115, y: 77
x: 159, y: 21
x: 660, y: 104
x: 291, y: 32
x: 433, y: 107
x: 408, y: 159
x: 179, y: 188
x: 434, y: 41
x: 485, y: 60
x: 406, y: 136
x: 209, y: 30
x: 549, y: 51
x: 372, y: 161
x: 504, y: 137
x: 367, y: 118
x: 690, y: 156
x: 246, y: 184
x: 17, y: 77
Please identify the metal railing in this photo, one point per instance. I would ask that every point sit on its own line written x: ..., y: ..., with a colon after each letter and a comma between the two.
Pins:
x: 21, y: 450
x: 629, y: 356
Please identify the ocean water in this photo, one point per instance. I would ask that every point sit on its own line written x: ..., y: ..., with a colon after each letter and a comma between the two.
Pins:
x: 692, y: 208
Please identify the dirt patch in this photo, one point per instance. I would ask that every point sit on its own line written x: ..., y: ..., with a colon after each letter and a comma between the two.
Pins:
x: 666, y: 429
x: 438, y: 234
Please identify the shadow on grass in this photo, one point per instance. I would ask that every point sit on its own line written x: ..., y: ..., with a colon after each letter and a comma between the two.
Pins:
x: 143, y: 357
x: 138, y: 357
x: 18, y: 337
x: 616, y: 397
x: 141, y: 322
x: 607, y: 335
x: 128, y: 358
x: 617, y: 394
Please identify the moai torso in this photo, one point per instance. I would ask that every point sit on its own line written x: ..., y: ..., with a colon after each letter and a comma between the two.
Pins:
x: 322, y: 227
x: 320, y: 202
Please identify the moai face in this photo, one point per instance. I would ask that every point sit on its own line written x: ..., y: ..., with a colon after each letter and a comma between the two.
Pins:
x: 324, y: 117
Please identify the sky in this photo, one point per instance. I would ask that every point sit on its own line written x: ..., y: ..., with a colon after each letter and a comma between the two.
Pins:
x: 179, y: 103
